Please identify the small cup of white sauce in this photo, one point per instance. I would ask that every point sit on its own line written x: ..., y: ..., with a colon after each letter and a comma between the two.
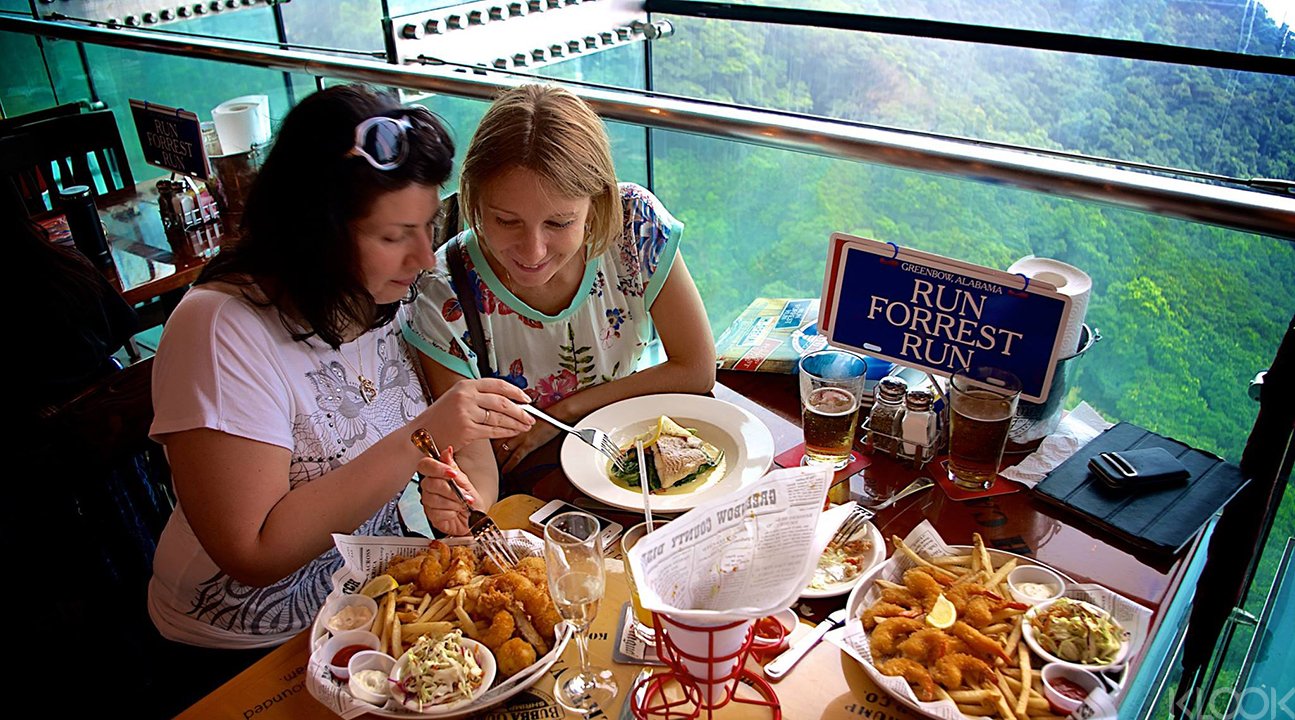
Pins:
x: 1033, y: 584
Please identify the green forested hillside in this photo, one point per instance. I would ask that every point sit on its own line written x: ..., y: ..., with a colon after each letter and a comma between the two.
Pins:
x: 1189, y: 312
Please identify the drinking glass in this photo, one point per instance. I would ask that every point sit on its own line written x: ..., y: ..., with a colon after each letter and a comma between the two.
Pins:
x: 642, y: 618
x: 573, y: 549
x: 982, y: 403
x: 831, y: 383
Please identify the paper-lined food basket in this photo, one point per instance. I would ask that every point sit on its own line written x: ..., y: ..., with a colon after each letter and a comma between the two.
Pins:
x: 364, y: 558
x: 925, y: 542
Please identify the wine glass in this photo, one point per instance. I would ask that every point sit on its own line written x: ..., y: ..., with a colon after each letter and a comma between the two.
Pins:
x: 573, y: 550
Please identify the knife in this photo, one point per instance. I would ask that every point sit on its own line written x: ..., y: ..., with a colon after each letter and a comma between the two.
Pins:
x: 637, y: 688
x: 782, y: 664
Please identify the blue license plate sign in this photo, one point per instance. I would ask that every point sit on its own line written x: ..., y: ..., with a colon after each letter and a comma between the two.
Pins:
x: 940, y: 315
x: 170, y: 138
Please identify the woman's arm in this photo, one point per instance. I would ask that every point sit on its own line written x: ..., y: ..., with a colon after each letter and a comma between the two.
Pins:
x: 238, y: 500
x: 475, y: 459
x: 689, y: 366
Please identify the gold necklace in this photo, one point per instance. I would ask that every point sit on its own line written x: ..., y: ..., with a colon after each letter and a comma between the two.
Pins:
x: 368, y: 390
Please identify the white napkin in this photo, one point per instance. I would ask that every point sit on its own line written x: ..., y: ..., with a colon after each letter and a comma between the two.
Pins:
x: 1075, y: 430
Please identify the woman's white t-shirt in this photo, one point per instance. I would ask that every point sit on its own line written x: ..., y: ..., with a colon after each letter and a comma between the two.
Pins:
x: 225, y: 364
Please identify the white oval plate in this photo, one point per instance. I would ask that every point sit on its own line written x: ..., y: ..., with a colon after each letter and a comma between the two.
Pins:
x: 746, y: 442
x: 875, y: 557
x: 900, y: 689
x: 1027, y: 632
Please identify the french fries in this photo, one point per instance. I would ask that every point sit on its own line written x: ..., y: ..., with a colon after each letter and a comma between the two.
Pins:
x: 976, y: 660
x: 446, y: 589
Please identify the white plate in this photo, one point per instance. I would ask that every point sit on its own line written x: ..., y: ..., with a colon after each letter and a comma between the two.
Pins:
x: 1027, y: 632
x: 746, y: 442
x: 897, y: 687
x: 871, y: 560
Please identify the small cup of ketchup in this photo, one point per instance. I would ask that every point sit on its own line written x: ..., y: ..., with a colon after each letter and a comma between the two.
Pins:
x: 1066, y: 687
x: 338, y: 650
x: 771, y: 632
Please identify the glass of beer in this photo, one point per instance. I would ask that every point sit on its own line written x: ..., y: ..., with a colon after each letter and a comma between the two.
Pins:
x: 831, y: 383
x: 642, y: 618
x: 982, y: 404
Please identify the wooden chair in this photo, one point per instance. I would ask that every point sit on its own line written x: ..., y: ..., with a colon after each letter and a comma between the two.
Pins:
x: 58, y: 152
x: 12, y: 124
x: 97, y: 444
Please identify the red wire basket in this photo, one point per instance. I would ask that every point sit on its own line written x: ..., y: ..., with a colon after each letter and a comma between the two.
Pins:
x: 705, y: 663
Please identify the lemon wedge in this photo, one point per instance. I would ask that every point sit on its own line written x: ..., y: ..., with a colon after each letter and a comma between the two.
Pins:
x: 943, y: 614
x: 379, y: 586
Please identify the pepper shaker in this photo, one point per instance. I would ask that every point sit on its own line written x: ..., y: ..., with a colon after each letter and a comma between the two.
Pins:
x: 884, y: 428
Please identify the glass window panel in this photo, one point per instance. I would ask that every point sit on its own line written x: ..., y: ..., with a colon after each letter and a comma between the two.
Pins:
x: 1189, y: 312
x: 122, y: 75
x: 346, y: 24
x: 1243, y: 26
x: 24, y: 85
x: 1222, y: 122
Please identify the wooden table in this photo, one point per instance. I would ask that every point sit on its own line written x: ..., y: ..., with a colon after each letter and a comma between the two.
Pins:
x: 826, y: 683
x: 147, y: 262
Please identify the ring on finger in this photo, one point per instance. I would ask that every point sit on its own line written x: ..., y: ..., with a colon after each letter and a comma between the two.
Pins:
x: 487, y: 420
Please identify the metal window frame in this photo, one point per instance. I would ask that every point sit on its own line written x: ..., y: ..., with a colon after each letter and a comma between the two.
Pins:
x: 1238, y: 209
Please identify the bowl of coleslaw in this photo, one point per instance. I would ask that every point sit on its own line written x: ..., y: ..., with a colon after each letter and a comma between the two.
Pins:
x: 441, y: 673
x: 1075, y: 634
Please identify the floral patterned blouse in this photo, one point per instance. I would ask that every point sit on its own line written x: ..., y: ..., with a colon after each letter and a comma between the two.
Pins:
x: 599, y: 338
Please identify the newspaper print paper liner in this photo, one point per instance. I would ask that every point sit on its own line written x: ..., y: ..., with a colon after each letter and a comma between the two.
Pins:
x: 926, y: 542
x: 363, y: 558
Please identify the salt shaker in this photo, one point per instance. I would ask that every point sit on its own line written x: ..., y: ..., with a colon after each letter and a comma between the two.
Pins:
x: 919, y: 426
x: 884, y: 428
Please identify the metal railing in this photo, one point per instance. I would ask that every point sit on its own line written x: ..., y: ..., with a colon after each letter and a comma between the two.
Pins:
x: 1239, y: 209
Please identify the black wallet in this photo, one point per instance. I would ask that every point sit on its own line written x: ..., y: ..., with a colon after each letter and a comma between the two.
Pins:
x: 1138, y: 469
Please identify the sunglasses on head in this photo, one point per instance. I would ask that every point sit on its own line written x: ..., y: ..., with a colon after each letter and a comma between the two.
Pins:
x: 382, y: 141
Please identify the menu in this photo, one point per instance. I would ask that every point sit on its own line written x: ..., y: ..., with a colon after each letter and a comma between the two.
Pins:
x: 741, y: 556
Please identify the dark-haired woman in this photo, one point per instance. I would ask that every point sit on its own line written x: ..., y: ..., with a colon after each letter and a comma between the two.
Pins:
x: 283, y: 392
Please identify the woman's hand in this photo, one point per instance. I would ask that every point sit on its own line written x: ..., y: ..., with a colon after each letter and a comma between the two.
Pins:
x: 511, y: 451
x: 474, y: 410
x: 442, y: 506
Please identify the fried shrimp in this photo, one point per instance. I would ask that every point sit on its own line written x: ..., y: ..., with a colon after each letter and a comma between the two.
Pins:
x: 430, y: 574
x: 890, y: 632
x: 538, y: 604
x: 981, y: 645
x: 885, y: 610
x: 926, y: 645
x: 514, y: 656
x: 952, y: 671
x: 501, y: 628
x: 899, y: 596
x: 922, y: 585
x: 534, y: 569
x: 405, y: 569
x: 916, y: 675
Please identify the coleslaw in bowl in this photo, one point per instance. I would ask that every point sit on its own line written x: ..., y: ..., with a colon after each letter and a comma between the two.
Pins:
x: 441, y: 673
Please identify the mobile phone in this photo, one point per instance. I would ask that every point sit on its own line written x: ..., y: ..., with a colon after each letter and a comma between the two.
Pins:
x: 611, y: 530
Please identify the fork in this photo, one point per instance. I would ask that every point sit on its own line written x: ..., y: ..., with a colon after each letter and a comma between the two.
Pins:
x: 596, y: 439
x: 483, y: 528
x: 860, y: 515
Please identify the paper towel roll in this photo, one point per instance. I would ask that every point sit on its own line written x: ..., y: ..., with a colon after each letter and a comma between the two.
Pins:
x: 1069, y: 281
x: 242, y: 122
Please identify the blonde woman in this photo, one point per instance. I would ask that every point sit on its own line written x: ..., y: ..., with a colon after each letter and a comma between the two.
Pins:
x: 569, y: 272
